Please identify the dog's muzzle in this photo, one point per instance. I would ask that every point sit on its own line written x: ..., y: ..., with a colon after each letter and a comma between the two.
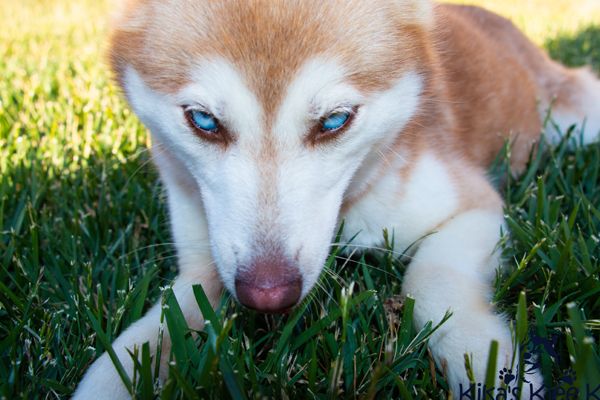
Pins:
x: 270, y: 285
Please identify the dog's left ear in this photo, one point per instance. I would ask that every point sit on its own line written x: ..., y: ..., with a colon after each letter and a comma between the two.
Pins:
x: 414, y: 12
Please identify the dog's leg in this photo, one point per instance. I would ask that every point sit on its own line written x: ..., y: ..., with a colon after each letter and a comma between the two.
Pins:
x: 101, y: 381
x: 453, y: 270
x: 574, y: 98
x: 190, y: 232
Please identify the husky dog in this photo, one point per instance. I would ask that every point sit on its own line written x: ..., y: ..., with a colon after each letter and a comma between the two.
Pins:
x: 273, y: 121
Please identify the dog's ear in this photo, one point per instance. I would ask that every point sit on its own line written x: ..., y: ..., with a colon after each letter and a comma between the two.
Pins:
x: 128, y: 22
x: 414, y: 12
x: 130, y: 15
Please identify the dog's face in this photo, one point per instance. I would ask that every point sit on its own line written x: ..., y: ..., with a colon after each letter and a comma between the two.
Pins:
x: 272, y: 107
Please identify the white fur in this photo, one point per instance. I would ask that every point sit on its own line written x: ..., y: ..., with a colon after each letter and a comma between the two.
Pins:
x: 214, y: 193
x: 307, y: 201
x: 101, y: 381
x: 220, y: 213
x: 453, y: 266
x: 410, y: 209
x: 313, y: 181
x: 195, y: 267
x: 452, y: 271
x: 219, y: 87
x: 318, y: 88
x: 190, y: 232
x: 585, y: 113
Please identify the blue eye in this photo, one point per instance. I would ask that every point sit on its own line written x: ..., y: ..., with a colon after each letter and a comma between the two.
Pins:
x: 335, y: 121
x: 202, y: 120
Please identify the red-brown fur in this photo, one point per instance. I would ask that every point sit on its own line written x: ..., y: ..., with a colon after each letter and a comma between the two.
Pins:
x: 485, y: 80
x: 482, y: 82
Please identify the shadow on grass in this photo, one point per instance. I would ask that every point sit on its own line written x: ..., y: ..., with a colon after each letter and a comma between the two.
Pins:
x: 71, y: 240
x: 578, y: 49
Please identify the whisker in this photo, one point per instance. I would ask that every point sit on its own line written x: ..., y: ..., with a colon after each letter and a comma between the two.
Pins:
x: 372, y: 267
x: 340, y: 281
x: 157, y: 148
x: 383, y: 249
x: 319, y: 286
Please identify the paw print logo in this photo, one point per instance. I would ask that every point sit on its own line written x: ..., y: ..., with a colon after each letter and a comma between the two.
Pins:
x: 506, y: 376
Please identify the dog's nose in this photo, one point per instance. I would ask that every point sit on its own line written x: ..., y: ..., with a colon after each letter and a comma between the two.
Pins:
x: 271, y: 286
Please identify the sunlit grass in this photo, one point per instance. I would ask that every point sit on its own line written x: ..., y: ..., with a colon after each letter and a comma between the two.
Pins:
x: 544, y: 19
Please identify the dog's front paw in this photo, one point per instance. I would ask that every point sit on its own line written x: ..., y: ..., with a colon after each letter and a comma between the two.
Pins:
x: 101, y: 382
x: 473, y: 336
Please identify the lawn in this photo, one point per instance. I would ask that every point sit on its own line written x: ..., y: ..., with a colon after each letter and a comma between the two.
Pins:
x: 85, y: 247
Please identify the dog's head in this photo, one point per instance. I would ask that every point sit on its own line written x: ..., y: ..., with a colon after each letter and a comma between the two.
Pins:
x: 272, y: 107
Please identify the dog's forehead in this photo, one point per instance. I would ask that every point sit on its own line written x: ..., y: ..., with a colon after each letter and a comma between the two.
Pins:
x: 267, y: 41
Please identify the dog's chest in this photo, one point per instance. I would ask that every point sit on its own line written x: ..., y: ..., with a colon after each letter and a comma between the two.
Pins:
x: 409, y: 206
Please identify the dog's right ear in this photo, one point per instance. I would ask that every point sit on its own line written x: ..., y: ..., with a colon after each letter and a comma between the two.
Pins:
x: 128, y: 24
x: 130, y: 15
x: 414, y: 12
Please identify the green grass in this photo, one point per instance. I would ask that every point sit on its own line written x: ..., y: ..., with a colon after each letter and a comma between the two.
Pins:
x: 85, y: 247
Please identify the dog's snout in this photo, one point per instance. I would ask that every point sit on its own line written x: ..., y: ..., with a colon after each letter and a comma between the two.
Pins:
x: 270, y: 285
